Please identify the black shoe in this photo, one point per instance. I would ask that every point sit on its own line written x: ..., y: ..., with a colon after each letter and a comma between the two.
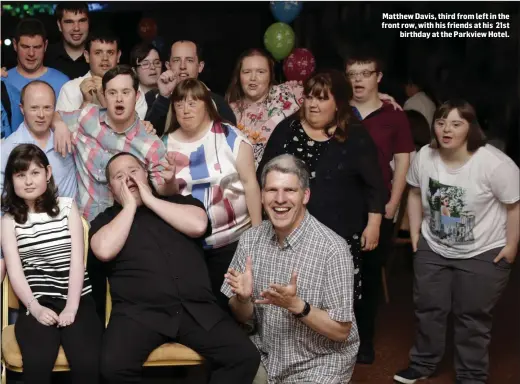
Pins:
x: 366, y: 354
x: 409, y: 376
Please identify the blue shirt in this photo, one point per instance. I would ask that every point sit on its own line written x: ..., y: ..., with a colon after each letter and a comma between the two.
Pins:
x: 16, y: 114
x: 55, y: 78
x: 63, y: 169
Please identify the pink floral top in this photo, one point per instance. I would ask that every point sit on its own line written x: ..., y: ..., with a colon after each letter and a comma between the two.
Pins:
x: 258, y: 120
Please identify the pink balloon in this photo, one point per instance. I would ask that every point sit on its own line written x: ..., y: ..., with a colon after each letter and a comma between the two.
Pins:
x: 299, y: 65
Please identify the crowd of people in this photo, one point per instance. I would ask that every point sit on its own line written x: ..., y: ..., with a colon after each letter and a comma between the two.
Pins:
x: 251, y: 227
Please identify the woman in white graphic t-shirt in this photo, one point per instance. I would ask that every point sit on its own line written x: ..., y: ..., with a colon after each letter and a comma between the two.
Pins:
x: 464, y: 224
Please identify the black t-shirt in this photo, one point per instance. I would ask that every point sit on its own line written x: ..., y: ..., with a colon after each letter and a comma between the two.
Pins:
x: 159, y: 272
x: 56, y: 57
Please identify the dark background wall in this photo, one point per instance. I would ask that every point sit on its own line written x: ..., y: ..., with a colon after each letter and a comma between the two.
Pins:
x: 484, y: 71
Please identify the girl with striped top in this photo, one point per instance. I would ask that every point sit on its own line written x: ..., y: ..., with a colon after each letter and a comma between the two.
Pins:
x: 42, y: 242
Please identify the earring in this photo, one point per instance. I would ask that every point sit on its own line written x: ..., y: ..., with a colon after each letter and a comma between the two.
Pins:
x: 48, y: 181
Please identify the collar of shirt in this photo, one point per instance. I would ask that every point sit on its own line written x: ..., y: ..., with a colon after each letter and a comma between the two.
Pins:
x: 25, y: 137
x: 130, y: 132
x: 295, y: 236
x: 61, y: 52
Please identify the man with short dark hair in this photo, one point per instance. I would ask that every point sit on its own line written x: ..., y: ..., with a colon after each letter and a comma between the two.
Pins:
x: 102, y: 53
x: 98, y: 133
x: 391, y: 133
x: 30, y: 44
x: 67, y: 55
x: 159, y: 281
x: 294, y: 277
x: 185, y: 62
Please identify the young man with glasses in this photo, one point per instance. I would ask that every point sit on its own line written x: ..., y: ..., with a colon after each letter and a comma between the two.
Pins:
x: 102, y: 53
x: 391, y: 133
x: 146, y: 62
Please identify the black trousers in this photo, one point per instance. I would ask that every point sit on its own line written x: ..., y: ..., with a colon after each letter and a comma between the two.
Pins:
x: 371, y: 267
x: 218, y: 261
x: 231, y: 356
x: 40, y: 343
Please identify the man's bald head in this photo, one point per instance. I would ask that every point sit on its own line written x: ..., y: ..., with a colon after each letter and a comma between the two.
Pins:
x: 41, y: 86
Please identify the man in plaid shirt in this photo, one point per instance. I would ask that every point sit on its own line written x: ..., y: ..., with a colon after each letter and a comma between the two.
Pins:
x: 293, y: 277
x: 96, y: 134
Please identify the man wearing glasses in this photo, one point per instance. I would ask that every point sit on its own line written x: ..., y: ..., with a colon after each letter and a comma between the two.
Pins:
x: 147, y: 64
x: 391, y: 133
x: 102, y: 53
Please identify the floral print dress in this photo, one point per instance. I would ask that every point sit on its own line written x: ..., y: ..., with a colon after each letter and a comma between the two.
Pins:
x: 258, y: 120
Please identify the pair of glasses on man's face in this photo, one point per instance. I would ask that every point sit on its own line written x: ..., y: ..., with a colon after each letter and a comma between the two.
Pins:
x: 366, y: 74
x: 147, y: 64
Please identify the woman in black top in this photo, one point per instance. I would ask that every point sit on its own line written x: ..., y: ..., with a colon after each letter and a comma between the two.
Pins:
x: 347, y: 189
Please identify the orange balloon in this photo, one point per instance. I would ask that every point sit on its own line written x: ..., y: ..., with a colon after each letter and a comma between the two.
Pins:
x: 147, y: 28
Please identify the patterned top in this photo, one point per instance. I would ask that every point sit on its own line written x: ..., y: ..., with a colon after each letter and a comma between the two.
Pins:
x: 44, y: 245
x: 299, y: 144
x: 206, y: 169
x: 95, y: 143
x: 258, y: 120
x: 290, y: 350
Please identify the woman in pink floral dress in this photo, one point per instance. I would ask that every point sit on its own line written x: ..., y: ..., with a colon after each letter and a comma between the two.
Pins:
x: 259, y: 105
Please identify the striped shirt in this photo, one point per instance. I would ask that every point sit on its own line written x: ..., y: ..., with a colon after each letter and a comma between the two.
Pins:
x: 95, y: 142
x: 44, y: 246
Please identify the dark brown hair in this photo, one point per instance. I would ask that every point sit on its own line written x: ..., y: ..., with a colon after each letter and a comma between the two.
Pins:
x: 326, y: 83
x: 71, y: 6
x: 235, y: 93
x: 419, y: 127
x: 121, y: 69
x: 476, y: 137
x: 20, y: 160
x: 198, y: 91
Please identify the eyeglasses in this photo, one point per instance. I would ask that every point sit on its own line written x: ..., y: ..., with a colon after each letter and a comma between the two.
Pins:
x: 146, y: 64
x: 366, y: 74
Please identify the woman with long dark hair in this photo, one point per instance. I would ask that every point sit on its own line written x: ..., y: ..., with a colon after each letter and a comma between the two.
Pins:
x: 347, y: 190
x: 42, y: 242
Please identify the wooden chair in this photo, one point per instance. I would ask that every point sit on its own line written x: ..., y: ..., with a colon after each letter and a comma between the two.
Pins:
x: 167, y: 355
x: 11, y: 355
x: 401, y: 224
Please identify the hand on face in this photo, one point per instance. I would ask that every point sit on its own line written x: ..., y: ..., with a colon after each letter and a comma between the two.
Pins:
x: 125, y: 196
x: 144, y: 191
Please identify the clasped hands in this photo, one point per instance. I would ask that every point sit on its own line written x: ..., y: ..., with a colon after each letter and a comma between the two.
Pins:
x: 283, y: 296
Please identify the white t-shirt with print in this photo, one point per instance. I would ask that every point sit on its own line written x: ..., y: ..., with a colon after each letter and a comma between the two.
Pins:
x: 464, y: 212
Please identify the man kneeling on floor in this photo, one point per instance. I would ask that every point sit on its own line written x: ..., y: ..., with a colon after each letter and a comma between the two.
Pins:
x: 301, y: 274
x: 159, y: 282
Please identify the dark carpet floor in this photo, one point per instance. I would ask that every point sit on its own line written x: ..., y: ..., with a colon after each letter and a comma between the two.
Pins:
x: 395, y: 337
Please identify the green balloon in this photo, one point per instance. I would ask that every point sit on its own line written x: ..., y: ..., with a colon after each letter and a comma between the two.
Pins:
x: 279, y: 40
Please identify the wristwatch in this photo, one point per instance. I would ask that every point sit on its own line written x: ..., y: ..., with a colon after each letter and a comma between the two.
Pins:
x: 305, y: 312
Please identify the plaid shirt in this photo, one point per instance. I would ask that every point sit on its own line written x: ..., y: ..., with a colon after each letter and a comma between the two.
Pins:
x: 290, y: 350
x: 95, y: 143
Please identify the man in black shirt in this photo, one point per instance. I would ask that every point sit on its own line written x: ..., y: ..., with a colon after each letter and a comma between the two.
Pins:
x: 159, y: 281
x: 67, y: 55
